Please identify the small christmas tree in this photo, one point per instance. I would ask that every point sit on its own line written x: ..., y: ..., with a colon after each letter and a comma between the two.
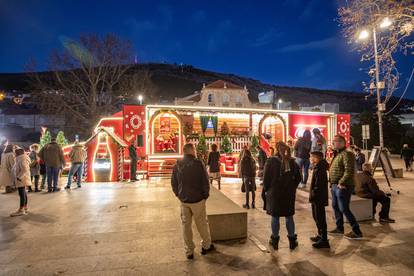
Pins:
x: 226, y: 145
x: 60, y: 139
x: 45, y: 138
x: 225, y: 130
x: 202, y: 149
x: 254, y: 144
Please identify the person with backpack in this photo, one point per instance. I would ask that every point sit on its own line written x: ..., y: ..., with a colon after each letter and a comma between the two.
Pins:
x: 302, y: 154
x: 318, y: 197
x: 248, y: 172
x: 22, y: 179
x: 281, y: 179
x: 214, y: 165
x: 34, y: 168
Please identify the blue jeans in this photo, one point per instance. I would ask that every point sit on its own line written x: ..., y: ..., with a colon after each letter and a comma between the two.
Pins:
x: 290, y: 226
x: 78, y: 169
x: 52, y: 176
x: 303, y: 164
x: 340, y: 203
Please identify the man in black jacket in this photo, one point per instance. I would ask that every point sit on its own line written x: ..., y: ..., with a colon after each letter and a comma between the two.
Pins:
x: 190, y: 184
x: 318, y: 197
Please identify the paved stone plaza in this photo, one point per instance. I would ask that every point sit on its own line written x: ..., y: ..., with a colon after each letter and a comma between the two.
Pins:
x: 134, y: 229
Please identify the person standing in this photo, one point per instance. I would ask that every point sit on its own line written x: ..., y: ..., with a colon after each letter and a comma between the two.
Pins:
x: 214, y: 165
x: 6, y: 170
x: 77, y: 156
x: 133, y: 156
x: 342, y: 177
x: 248, y: 172
x: 407, y: 155
x: 367, y: 187
x: 52, y: 155
x: 34, y: 167
x: 281, y: 179
x: 318, y: 141
x: 22, y: 179
x: 302, y: 154
x: 261, y: 158
x: 190, y: 185
x: 3, y: 145
x: 359, y: 159
x: 318, y: 197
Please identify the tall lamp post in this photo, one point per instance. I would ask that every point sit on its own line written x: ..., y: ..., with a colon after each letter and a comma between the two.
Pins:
x: 364, y: 34
x: 140, y: 98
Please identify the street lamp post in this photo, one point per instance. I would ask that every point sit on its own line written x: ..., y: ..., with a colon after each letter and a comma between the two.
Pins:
x: 386, y: 22
x: 140, y: 98
x: 377, y: 86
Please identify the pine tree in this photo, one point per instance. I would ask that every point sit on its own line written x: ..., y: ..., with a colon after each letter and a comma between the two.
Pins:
x: 45, y: 138
x: 226, y: 145
x: 254, y: 144
x: 60, y: 139
x: 202, y: 149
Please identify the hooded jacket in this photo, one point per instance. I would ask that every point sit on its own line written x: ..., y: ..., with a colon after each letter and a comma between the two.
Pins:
x: 319, y: 184
x: 189, y: 180
x: 22, y: 171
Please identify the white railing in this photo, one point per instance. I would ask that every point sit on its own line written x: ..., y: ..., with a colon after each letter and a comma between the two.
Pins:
x: 237, y: 142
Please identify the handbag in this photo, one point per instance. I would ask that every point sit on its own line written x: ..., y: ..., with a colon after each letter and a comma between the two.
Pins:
x: 243, y: 188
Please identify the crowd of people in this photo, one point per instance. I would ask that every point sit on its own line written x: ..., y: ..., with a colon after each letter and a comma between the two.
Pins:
x: 29, y: 171
x: 282, y: 172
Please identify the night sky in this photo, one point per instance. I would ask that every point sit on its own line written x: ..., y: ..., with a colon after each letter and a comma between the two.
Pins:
x: 283, y: 42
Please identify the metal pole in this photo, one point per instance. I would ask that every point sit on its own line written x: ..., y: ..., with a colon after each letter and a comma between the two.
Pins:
x: 379, y: 109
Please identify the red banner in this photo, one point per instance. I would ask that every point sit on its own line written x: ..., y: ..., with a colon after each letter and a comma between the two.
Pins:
x: 298, y: 123
x: 134, y: 121
x: 343, y: 126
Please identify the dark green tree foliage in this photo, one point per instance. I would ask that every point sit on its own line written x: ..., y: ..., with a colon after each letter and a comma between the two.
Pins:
x: 394, y: 131
x: 202, y: 149
x: 254, y: 144
x: 45, y: 138
x: 226, y: 145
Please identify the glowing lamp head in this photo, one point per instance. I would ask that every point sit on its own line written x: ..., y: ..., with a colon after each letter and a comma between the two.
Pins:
x: 364, y: 34
x: 280, y: 101
x: 385, y: 23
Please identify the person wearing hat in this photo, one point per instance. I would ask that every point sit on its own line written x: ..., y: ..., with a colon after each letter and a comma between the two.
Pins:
x: 52, y: 155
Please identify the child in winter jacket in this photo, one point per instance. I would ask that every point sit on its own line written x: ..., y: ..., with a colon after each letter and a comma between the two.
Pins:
x: 318, y: 197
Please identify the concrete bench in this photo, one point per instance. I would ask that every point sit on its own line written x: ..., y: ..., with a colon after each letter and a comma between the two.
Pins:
x: 361, y: 208
x: 227, y: 220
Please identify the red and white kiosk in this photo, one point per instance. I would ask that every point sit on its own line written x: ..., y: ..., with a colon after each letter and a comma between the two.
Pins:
x: 160, y: 131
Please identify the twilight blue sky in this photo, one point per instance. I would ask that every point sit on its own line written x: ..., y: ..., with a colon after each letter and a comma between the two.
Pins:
x: 284, y: 42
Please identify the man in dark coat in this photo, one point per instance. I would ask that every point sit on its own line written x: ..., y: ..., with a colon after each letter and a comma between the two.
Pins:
x: 318, y: 197
x: 280, y: 181
x: 134, y: 159
x: 190, y: 185
x: 367, y: 187
x: 407, y: 154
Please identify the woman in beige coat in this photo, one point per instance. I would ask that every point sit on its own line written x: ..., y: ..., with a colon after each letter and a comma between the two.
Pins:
x: 6, y: 170
x: 22, y: 174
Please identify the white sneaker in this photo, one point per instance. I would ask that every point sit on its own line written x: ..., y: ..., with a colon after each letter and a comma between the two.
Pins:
x: 20, y: 212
